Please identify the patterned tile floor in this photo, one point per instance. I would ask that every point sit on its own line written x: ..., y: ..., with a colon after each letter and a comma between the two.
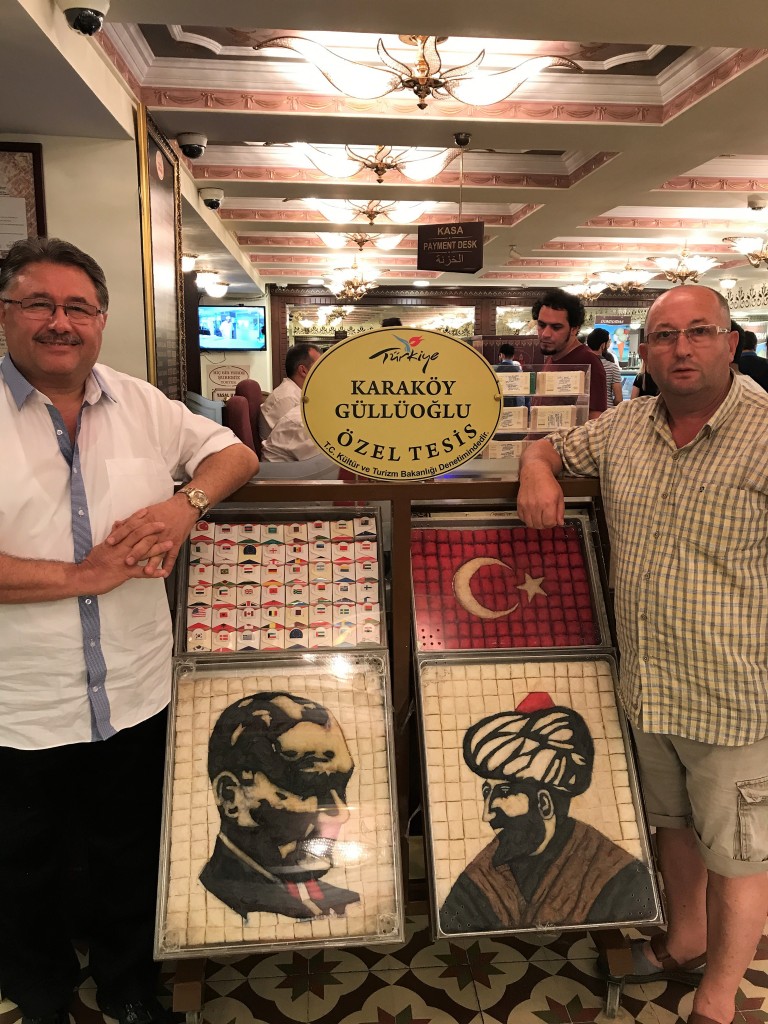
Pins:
x: 537, y: 980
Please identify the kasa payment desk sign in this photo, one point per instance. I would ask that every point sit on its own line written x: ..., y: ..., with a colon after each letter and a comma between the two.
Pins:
x: 401, y: 403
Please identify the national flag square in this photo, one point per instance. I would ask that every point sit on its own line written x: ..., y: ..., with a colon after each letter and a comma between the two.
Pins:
x: 506, y: 587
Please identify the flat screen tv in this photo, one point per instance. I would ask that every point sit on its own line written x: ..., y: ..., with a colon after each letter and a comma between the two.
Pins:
x: 232, y: 328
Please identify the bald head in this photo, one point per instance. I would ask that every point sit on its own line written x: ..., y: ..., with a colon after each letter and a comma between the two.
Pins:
x: 699, y: 294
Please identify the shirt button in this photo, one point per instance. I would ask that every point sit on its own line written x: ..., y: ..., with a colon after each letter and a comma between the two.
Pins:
x: 647, y: 575
x: 656, y: 534
x: 665, y: 495
x: 645, y: 657
x: 80, y: 512
x: 700, y: 490
x: 642, y: 616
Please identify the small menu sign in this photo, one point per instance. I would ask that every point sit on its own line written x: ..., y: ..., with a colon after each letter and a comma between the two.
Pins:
x: 456, y: 248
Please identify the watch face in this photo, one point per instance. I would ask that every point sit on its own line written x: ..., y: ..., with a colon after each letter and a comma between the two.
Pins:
x: 197, y: 498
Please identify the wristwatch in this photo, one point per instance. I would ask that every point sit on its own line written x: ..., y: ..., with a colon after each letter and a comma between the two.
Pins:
x: 197, y: 499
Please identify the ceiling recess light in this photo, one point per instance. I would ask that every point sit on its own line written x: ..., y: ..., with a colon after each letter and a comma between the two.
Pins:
x: 726, y: 283
x: 217, y: 290
x: 315, y: 280
x: 421, y: 283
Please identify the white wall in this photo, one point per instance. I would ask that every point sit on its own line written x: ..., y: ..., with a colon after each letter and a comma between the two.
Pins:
x: 91, y: 199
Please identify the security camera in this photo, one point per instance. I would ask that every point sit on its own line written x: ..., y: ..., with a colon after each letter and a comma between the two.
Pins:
x: 212, y: 197
x: 85, y: 20
x: 757, y: 202
x: 462, y: 139
x: 192, y: 144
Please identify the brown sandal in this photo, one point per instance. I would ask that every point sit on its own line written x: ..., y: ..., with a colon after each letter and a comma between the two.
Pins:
x: 643, y: 971
x: 668, y: 963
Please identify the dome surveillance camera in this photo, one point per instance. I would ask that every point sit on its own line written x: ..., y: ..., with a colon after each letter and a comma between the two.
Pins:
x: 462, y: 139
x: 757, y: 202
x: 85, y: 20
x: 192, y: 144
x: 212, y: 197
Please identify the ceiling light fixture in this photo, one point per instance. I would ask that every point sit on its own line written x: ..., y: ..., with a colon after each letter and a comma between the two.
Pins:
x: 205, y: 277
x: 350, y: 283
x: 315, y: 280
x: 685, y: 268
x: 587, y: 289
x: 726, y: 283
x: 188, y: 261
x: 413, y: 163
x: 751, y: 246
x: 338, y: 240
x: 627, y: 280
x: 217, y: 289
x: 425, y: 77
x: 345, y: 211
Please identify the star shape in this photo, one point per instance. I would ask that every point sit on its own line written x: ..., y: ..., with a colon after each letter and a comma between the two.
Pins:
x: 532, y: 587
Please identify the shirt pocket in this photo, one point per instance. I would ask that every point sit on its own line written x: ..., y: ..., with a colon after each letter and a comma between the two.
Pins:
x: 135, y: 483
x: 752, y: 836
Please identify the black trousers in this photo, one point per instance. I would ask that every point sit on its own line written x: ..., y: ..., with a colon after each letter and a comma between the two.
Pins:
x: 104, y: 800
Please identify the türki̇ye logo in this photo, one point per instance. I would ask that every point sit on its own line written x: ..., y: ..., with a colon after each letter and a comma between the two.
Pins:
x: 407, y: 353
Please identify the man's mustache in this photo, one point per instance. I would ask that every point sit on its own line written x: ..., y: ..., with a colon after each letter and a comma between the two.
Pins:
x: 52, y: 338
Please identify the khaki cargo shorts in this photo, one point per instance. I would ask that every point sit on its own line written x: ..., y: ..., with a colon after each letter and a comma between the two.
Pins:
x: 721, y: 792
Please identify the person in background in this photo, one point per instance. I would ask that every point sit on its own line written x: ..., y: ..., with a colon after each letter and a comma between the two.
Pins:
x: 90, y: 528
x: 507, y: 362
x: 598, y: 341
x: 644, y: 385
x: 287, y: 395
x: 751, y: 364
x: 683, y: 477
x: 559, y: 317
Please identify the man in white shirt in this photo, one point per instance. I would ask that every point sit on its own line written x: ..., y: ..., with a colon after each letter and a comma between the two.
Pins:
x: 89, y: 529
x: 287, y: 395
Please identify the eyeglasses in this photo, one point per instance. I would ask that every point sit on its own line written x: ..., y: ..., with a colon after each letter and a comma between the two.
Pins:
x: 45, y: 309
x: 698, y: 335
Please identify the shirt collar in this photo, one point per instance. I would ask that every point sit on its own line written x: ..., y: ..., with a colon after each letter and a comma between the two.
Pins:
x: 21, y: 389
x: 727, y: 408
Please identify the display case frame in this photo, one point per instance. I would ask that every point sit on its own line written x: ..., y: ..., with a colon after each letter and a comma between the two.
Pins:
x: 452, y: 520
x: 239, y: 513
x: 188, y: 671
x: 478, y: 658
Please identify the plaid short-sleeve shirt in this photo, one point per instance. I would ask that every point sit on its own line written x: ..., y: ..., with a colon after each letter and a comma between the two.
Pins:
x: 689, y: 535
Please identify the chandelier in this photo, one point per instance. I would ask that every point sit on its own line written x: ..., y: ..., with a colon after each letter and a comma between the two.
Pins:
x: 751, y: 246
x: 627, y: 280
x: 350, y: 283
x: 343, y: 211
x: 338, y: 240
x: 685, y: 268
x: 425, y: 77
x: 416, y: 164
x: 587, y: 289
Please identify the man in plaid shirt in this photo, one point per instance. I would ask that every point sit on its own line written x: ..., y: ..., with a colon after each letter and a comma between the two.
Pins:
x: 684, y: 478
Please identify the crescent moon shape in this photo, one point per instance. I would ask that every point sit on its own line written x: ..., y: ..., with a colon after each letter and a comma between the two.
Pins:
x: 462, y: 588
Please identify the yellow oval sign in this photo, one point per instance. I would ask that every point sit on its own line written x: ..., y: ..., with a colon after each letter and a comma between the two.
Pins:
x: 401, y: 403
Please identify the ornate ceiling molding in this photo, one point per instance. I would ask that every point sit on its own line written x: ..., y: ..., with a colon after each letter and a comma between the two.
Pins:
x: 271, y: 103
x: 309, y: 217
x: 480, y: 179
x: 710, y: 184
x: 596, y: 246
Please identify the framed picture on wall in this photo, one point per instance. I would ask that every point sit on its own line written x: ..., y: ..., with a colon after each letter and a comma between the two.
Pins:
x: 22, y: 201
x: 160, y: 199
